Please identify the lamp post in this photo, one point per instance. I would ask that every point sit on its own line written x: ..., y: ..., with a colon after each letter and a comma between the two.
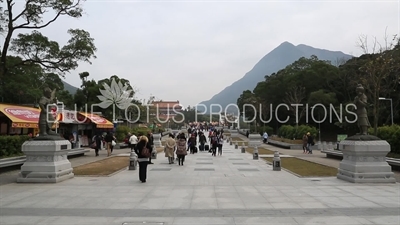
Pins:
x: 391, y: 106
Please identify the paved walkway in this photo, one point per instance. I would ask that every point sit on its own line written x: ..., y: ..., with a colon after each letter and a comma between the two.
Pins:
x: 231, y: 189
x: 316, y: 157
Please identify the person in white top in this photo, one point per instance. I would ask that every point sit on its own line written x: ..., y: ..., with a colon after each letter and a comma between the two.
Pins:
x: 265, y: 136
x: 133, y: 140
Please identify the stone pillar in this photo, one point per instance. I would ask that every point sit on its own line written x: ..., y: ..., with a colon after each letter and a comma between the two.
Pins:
x: 255, y: 153
x: 276, y: 162
x: 46, y: 162
x: 157, y: 140
x: 364, y: 161
x: 243, y: 149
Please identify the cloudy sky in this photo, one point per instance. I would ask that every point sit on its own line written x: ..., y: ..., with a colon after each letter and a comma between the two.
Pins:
x: 191, y: 50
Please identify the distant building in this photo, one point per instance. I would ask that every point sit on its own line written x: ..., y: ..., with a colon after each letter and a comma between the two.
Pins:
x: 167, y: 109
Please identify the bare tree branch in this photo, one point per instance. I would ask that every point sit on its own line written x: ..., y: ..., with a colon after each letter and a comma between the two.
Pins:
x: 295, y: 95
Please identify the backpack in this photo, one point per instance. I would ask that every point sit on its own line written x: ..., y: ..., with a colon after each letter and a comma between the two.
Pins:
x: 146, y: 152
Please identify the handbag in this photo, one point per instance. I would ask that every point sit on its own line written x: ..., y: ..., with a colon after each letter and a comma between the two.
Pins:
x: 113, y: 143
x: 146, y: 152
x: 93, y: 145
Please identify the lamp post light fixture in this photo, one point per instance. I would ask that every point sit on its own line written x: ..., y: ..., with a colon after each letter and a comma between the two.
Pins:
x: 391, y: 106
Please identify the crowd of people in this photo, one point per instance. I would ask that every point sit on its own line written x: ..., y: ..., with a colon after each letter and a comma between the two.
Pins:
x: 177, y: 146
x: 108, y: 140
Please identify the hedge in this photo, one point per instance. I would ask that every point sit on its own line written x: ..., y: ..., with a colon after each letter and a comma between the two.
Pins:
x: 11, y: 145
x: 291, y: 132
x: 267, y: 129
x: 391, y: 134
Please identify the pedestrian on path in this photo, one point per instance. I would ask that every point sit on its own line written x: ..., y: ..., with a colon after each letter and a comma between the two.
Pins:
x: 305, y: 141
x: 169, y: 148
x: 150, y: 144
x: 310, y: 142
x: 220, y: 140
x: 214, y: 144
x: 133, y: 140
x: 142, y: 159
x: 97, y: 139
x: 181, y: 149
x: 108, y: 139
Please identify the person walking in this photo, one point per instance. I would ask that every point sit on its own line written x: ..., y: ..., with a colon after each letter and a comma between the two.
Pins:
x: 305, y: 140
x: 97, y: 139
x: 181, y: 149
x: 113, y: 143
x: 192, y: 146
x: 220, y: 141
x: 108, y: 141
x: 310, y: 142
x: 202, y: 141
x: 133, y: 140
x: 143, y: 152
x: 169, y: 148
x: 150, y: 143
x: 214, y: 144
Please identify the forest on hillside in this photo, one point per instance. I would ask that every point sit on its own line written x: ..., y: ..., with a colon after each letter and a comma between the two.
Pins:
x: 311, y: 81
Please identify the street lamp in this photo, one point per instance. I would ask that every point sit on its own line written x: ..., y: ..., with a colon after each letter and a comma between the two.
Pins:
x: 391, y: 106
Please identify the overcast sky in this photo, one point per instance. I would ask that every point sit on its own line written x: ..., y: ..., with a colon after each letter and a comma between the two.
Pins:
x: 191, y: 50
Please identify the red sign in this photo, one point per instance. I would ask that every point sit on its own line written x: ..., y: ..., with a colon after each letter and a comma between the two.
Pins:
x: 97, y: 119
x: 24, y: 114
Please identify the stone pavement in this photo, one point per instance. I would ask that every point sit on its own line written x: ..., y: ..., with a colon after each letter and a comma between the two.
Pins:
x: 230, y: 189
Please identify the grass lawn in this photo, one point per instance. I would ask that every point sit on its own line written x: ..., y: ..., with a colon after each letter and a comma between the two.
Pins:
x: 261, y: 151
x: 240, y: 141
x: 305, y: 168
x: 103, y: 167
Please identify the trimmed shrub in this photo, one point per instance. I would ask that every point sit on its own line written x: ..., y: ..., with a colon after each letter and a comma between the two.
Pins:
x: 391, y: 134
x: 11, y: 145
x: 121, y: 132
x: 139, y: 131
x: 293, y: 132
x: 267, y: 129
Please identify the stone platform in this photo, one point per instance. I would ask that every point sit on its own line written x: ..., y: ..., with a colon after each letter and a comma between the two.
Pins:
x: 365, y: 162
x: 46, y: 162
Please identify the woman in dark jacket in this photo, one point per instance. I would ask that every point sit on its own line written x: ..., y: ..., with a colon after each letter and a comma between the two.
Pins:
x: 143, y: 160
x: 181, y: 148
x: 98, y: 139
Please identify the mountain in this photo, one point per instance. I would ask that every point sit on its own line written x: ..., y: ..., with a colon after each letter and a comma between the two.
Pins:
x: 282, y: 56
x: 71, y: 89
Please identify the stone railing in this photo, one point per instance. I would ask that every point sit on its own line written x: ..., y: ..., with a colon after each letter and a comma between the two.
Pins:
x: 15, y: 161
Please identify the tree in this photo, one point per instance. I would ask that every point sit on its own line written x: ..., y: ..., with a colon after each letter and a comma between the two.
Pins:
x: 378, y: 71
x: 26, y: 83
x: 295, y: 96
x: 36, y: 48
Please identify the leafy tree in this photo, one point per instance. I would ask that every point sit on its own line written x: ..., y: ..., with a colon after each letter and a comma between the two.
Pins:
x: 36, y: 48
x: 380, y: 72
